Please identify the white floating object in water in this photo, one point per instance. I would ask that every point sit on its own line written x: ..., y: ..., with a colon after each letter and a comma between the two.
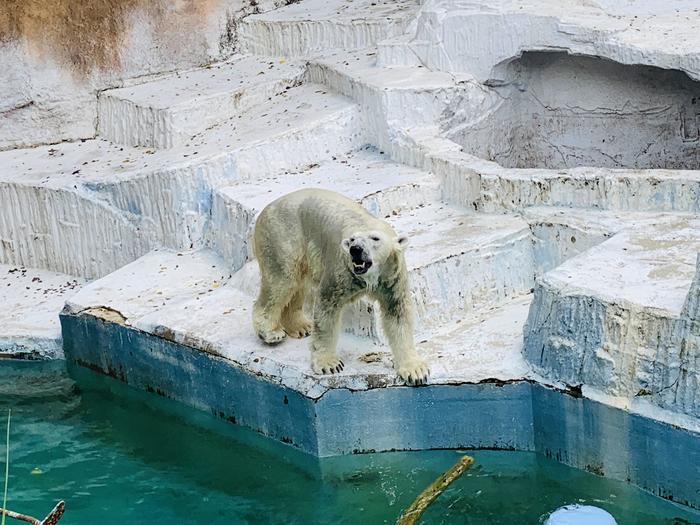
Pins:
x: 580, y: 515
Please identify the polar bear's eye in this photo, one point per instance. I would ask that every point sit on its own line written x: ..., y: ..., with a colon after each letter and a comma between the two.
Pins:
x: 374, y: 238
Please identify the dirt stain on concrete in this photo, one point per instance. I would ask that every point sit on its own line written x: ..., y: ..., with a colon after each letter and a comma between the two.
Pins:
x: 90, y: 35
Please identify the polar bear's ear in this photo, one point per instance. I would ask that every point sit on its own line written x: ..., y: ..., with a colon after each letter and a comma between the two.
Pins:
x: 345, y: 244
x: 402, y: 242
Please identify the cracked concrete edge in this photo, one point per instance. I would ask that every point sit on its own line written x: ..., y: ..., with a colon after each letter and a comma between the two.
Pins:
x: 527, y: 414
x: 572, y: 388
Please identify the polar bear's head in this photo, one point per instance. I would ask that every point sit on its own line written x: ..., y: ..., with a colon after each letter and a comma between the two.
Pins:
x: 368, y: 250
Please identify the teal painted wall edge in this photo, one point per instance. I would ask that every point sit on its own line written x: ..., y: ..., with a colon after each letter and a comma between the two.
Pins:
x: 657, y: 457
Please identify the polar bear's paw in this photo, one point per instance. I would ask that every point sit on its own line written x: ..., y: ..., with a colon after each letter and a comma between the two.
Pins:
x: 297, y: 325
x: 326, y: 363
x: 272, y: 336
x: 413, y: 371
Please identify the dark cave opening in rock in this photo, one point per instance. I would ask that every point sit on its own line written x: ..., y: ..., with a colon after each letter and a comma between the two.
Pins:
x: 558, y: 111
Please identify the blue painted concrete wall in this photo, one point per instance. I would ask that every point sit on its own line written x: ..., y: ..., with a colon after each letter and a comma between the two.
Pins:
x: 485, y: 415
x: 523, y: 416
x: 192, y: 377
x: 660, y: 458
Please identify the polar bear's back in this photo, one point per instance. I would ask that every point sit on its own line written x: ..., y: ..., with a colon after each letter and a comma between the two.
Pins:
x: 321, y: 218
x: 317, y: 211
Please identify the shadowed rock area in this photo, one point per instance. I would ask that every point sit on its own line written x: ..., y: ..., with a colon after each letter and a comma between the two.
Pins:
x: 561, y: 111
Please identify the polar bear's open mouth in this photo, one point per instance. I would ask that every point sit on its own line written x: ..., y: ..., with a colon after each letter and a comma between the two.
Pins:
x: 361, y: 267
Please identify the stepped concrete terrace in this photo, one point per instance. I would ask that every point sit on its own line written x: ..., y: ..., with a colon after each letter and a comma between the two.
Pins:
x: 544, y: 160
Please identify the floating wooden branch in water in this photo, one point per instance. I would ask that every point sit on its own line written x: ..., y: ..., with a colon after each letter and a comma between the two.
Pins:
x: 51, y: 519
x: 425, y: 498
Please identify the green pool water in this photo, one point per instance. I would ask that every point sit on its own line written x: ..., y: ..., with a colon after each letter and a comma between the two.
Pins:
x: 120, y: 457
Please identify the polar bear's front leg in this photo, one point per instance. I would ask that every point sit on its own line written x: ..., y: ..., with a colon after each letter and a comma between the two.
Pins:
x: 397, y: 321
x: 324, y: 339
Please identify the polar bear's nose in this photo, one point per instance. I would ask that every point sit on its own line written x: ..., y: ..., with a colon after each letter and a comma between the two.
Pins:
x: 355, y: 251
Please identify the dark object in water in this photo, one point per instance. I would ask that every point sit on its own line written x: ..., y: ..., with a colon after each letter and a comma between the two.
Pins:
x: 425, y: 498
x: 51, y: 519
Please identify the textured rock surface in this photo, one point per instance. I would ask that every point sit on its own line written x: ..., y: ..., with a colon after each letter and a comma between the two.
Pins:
x: 184, y: 298
x: 384, y: 187
x: 461, y: 36
x: 616, y: 317
x: 510, y: 140
x: 171, y: 110
x: 56, y: 56
x: 31, y: 302
x: 559, y: 111
x: 87, y: 208
x: 313, y: 27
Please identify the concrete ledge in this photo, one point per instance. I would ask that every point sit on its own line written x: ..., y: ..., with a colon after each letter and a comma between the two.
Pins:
x: 31, y: 302
x: 384, y: 187
x: 660, y: 458
x: 195, y: 378
x: 314, y: 27
x: 458, y: 36
x: 518, y: 415
x: 487, y: 187
x: 619, y: 318
x: 169, y: 111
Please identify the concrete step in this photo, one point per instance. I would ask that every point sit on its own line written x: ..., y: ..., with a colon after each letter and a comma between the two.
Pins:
x: 301, y: 127
x: 180, y: 298
x: 148, y: 284
x: 563, y: 233
x: 619, y: 318
x: 167, y: 112
x: 481, y: 348
x: 458, y: 263
x: 53, y: 224
x: 315, y: 26
x: 382, y: 186
x: 32, y: 300
x: 485, y: 186
x: 202, y: 351
x: 402, y: 50
x: 392, y: 97
x: 161, y: 197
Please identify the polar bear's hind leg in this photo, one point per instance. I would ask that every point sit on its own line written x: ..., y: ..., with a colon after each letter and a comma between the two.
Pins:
x: 274, y: 296
x: 294, y: 321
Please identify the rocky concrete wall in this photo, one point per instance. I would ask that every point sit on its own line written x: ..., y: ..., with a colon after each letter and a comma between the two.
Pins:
x: 463, y: 36
x: 56, y: 56
x: 561, y: 111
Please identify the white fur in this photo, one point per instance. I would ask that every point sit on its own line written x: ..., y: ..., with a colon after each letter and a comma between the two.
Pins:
x: 302, y: 242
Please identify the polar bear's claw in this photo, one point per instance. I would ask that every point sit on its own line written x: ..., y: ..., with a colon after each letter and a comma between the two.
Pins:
x: 327, y: 364
x: 414, y: 372
x: 298, y: 327
x: 272, y: 337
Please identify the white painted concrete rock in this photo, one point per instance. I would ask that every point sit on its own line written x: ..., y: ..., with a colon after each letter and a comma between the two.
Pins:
x: 52, y: 72
x: 185, y: 298
x: 461, y: 36
x: 617, y: 318
x: 94, y: 206
x: 171, y: 110
x: 31, y: 301
x: 493, y: 133
x: 314, y: 27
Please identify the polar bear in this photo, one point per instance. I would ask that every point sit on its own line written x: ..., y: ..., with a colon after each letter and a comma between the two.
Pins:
x: 319, y: 240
